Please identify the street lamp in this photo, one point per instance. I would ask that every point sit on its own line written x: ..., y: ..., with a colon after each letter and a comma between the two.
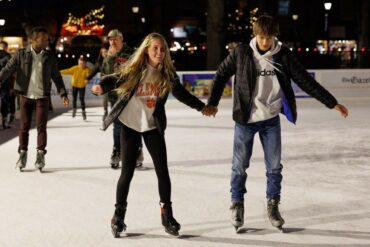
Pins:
x: 327, y: 6
x: 295, y: 27
x: 2, y: 23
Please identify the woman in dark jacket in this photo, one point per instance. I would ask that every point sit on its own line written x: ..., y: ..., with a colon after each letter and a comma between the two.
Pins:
x: 143, y: 87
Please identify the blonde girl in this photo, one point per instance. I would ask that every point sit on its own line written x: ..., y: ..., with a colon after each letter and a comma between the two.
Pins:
x: 143, y: 87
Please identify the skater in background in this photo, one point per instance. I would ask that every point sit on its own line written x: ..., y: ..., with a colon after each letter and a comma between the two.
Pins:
x: 35, y: 67
x: 6, y: 90
x: 263, y: 72
x: 143, y: 87
x: 98, y: 66
x: 117, y: 55
x: 79, y: 74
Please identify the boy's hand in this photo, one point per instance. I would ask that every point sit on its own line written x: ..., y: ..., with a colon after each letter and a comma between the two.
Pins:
x: 65, y: 101
x: 342, y: 109
x: 209, y: 110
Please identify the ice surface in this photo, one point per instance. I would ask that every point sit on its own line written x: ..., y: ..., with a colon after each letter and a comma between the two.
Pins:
x: 325, y: 198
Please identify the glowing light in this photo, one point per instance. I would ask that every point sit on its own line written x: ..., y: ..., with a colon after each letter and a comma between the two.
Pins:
x: 327, y: 6
x: 89, y: 24
x: 135, y: 9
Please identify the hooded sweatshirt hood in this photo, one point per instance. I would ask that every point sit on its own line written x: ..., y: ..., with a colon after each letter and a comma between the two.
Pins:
x: 267, y: 95
x: 267, y: 56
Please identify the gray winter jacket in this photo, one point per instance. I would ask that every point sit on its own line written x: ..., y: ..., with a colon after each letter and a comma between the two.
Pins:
x: 21, y: 63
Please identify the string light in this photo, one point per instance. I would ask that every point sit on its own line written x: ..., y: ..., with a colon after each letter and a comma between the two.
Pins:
x: 90, y: 23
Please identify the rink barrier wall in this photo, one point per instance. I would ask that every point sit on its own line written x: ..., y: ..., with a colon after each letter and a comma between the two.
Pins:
x: 341, y: 83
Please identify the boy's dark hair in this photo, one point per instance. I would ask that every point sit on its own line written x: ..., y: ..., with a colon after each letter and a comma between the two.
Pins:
x: 36, y: 30
x: 266, y: 25
x: 3, y: 43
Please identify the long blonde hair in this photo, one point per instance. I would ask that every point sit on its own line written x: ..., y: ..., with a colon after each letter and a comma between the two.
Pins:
x: 135, y: 68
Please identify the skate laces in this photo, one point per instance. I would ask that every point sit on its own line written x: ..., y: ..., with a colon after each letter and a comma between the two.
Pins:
x: 237, y: 209
x: 40, y: 157
x: 274, y: 209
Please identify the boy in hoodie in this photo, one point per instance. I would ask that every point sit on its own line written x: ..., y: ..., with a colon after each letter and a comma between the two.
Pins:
x: 263, y: 72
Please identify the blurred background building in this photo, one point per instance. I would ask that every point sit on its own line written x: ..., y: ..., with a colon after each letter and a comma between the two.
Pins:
x: 323, y: 34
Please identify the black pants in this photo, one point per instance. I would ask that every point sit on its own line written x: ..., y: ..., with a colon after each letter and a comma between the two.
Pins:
x: 5, y: 102
x: 81, y: 92
x: 156, y: 145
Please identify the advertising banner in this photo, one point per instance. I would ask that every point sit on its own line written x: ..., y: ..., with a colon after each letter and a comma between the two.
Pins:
x: 200, y: 83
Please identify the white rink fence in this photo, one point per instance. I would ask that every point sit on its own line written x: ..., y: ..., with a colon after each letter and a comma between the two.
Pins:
x: 342, y: 83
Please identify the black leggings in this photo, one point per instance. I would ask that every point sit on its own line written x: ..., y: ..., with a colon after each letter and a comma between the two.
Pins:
x: 156, y: 145
x: 81, y: 92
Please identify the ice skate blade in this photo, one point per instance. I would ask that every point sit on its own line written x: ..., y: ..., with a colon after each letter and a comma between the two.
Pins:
x: 115, y: 232
x: 19, y: 167
x: 280, y: 229
x: 114, y: 166
x: 173, y: 233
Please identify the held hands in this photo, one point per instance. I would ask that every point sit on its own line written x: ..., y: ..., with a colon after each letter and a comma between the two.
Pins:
x: 342, y: 109
x: 209, y: 110
x: 65, y: 101
x: 97, y: 90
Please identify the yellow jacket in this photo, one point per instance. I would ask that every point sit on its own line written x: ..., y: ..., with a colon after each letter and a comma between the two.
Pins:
x: 79, y: 75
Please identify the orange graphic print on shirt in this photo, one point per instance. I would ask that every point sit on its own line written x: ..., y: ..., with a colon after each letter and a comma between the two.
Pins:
x: 149, y: 92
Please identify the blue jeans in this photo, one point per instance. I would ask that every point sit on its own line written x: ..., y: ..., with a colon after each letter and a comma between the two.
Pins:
x: 270, y: 135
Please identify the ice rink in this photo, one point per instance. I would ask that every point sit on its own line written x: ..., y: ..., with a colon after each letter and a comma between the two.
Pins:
x: 325, y: 195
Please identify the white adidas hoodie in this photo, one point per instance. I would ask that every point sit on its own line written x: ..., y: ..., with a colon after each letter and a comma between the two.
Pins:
x: 267, y: 95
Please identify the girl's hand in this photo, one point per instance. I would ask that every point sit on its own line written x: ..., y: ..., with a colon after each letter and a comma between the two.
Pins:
x: 97, y: 90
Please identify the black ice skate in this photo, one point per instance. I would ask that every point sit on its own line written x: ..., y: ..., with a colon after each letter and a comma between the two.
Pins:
x: 5, y: 126
x: 274, y: 214
x: 21, y: 163
x: 115, y: 158
x: 11, y: 119
x: 40, y: 159
x: 237, y: 214
x: 83, y: 114
x: 171, y: 226
x: 117, y: 222
x: 74, y: 112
